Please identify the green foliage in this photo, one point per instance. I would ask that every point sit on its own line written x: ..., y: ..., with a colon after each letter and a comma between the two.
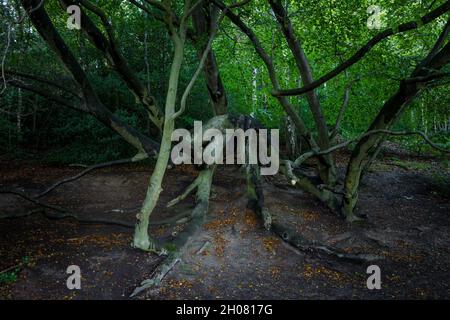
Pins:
x: 9, y: 277
x: 330, y: 32
x: 170, y: 247
x: 412, y: 165
x: 88, y: 141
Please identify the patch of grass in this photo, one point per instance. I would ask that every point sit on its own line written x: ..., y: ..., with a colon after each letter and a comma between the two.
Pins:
x: 380, y: 166
x: 9, y: 276
x: 410, y: 165
x: 170, y: 247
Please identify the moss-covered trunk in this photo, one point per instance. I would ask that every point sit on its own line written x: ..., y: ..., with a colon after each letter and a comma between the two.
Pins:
x: 141, y: 236
x: 368, y: 145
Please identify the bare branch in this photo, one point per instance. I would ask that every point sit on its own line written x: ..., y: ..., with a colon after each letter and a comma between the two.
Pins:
x: 42, y: 80
x: 185, y: 193
x: 109, y: 47
x: 158, y: 4
x: 311, y: 153
x: 197, y: 72
x: 146, y: 10
x: 31, y: 10
x: 45, y: 94
x: 289, y: 109
x: 83, y: 173
x: 343, y: 108
x: 192, y: 9
x: 304, y: 68
x: 51, y: 36
x: 325, y: 162
x: 436, y: 47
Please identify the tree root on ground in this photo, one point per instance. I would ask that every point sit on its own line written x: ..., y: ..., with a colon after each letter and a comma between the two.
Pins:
x: 255, y: 195
x: 186, y: 192
x: 177, y: 247
x: 57, y: 213
x: 292, y: 237
x: 87, y: 170
x: 287, y: 234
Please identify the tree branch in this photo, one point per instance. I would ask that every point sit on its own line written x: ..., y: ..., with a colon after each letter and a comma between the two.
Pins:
x: 289, y: 109
x: 46, y: 29
x: 309, y: 154
x: 45, y: 94
x: 86, y: 171
x: 110, y: 49
x: 197, y: 72
x: 42, y: 80
x: 8, y: 41
x: 441, y: 10
x: 304, y: 69
x: 343, y: 108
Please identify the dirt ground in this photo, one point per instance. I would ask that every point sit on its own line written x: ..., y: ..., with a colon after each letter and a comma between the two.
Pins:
x: 234, y: 257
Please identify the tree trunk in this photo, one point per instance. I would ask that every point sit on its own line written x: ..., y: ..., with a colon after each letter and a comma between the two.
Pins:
x: 385, y: 119
x: 141, y: 237
x: 204, y: 21
x: 92, y: 103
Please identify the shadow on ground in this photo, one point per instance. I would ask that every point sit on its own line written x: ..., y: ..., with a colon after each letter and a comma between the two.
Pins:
x: 234, y: 257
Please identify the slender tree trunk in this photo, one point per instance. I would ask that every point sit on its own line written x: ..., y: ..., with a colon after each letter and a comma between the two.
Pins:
x: 92, y: 103
x: 204, y: 21
x: 141, y: 236
x: 326, y: 168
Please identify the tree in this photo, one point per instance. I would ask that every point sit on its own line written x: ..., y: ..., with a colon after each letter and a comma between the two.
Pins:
x: 192, y: 27
x: 321, y: 147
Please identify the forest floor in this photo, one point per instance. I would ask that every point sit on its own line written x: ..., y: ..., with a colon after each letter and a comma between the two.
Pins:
x: 406, y: 200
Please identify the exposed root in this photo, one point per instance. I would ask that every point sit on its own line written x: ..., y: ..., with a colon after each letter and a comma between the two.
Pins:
x: 256, y: 196
x: 66, y: 215
x: 181, y: 242
x: 57, y: 213
x: 203, y: 248
x: 183, y: 196
x: 86, y: 171
x: 294, y: 239
x: 28, y: 198
x: 287, y: 234
x: 160, y: 272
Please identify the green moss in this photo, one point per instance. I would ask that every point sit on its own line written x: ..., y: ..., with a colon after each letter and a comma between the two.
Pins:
x: 170, y: 247
x: 412, y: 165
x: 9, y: 277
x: 409, y: 165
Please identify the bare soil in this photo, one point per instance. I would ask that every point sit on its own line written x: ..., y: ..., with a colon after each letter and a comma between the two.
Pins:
x: 234, y: 257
